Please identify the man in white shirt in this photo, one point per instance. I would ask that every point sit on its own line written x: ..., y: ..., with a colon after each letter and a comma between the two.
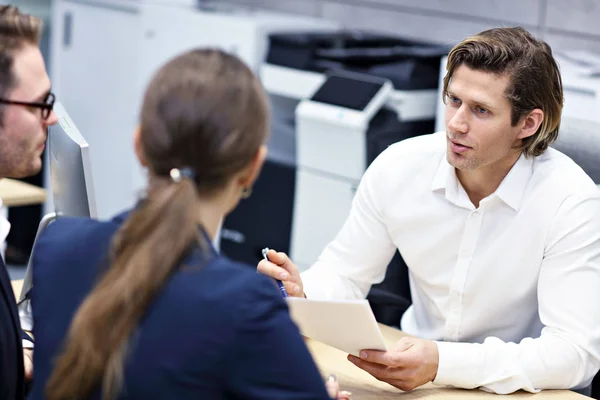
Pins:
x: 25, y: 114
x: 501, y: 234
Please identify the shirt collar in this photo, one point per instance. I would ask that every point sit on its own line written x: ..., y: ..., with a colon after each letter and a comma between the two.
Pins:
x: 445, y: 180
x: 443, y: 176
x: 511, y: 189
x: 4, y: 225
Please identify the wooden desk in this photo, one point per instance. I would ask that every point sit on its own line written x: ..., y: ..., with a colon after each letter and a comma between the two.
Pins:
x: 16, y: 193
x: 364, y: 387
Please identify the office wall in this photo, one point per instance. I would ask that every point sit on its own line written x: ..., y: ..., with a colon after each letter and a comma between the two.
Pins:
x: 565, y: 24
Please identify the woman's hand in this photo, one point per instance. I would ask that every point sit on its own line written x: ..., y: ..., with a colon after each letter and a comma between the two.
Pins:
x: 333, y: 389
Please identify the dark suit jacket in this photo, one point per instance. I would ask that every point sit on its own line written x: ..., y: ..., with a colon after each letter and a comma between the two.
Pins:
x: 216, y: 330
x: 11, y: 350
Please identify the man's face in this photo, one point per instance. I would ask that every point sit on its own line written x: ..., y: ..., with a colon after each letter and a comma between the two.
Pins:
x: 478, y: 121
x: 23, y: 130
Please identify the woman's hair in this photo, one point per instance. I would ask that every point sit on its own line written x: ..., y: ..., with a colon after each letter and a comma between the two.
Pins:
x: 205, y: 112
x: 535, y: 80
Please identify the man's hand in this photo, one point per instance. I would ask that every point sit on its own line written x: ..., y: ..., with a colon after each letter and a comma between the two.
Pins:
x: 410, y: 363
x: 28, y: 363
x: 282, y: 268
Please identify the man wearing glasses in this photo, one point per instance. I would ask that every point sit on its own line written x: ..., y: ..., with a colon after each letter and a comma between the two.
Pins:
x: 26, y: 104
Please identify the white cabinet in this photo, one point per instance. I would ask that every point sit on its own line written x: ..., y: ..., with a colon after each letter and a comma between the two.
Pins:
x: 320, y: 210
x: 94, y: 73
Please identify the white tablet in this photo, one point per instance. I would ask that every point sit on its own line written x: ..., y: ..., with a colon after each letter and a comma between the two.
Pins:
x: 347, y: 325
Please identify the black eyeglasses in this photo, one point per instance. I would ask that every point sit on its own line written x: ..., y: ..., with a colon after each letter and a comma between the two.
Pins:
x: 46, y: 106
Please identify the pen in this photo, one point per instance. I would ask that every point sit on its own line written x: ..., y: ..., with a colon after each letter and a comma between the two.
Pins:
x: 279, y: 283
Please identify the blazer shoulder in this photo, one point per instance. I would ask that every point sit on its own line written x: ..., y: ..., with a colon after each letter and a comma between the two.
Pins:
x: 68, y: 230
x: 237, y: 282
x: 71, y: 241
x: 74, y: 228
x: 257, y: 297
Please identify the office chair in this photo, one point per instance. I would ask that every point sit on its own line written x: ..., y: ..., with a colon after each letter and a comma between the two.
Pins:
x: 580, y: 140
x: 391, y: 298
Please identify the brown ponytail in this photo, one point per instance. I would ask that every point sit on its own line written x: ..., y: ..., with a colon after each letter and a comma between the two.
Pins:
x: 145, y: 251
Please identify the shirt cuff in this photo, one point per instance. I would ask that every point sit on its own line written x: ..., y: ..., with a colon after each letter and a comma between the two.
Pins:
x: 459, y: 365
x: 311, y: 290
x: 27, y: 344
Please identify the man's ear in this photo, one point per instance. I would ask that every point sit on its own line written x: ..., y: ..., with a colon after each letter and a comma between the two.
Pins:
x: 137, y: 145
x: 251, y: 173
x: 531, y: 123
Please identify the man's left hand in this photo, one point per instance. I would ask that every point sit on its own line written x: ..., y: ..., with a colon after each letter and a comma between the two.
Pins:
x: 410, y: 363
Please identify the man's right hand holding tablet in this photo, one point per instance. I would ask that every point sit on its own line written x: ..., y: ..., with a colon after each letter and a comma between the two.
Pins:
x: 280, y: 267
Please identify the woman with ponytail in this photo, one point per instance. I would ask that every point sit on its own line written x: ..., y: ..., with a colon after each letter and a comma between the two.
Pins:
x: 142, y: 306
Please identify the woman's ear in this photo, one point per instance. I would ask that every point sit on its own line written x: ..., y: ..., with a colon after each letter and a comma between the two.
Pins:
x: 252, y: 172
x: 137, y: 145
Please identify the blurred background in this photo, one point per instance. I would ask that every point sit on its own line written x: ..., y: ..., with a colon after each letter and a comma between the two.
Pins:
x: 101, y: 53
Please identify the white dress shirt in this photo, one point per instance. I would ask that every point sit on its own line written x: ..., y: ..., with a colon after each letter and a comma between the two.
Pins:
x: 4, y: 226
x: 516, y: 281
x: 4, y: 230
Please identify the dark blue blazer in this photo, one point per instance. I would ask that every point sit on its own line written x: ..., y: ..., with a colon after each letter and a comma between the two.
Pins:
x: 219, y: 331
x: 11, y: 350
